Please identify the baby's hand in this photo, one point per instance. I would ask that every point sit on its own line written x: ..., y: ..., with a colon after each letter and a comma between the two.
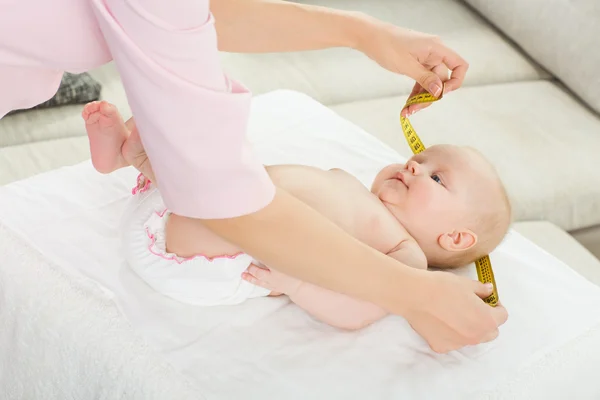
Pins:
x: 275, y: 281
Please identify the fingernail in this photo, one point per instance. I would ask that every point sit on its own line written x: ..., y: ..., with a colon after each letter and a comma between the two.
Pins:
x: 435, y: 89
x: 489, y: 286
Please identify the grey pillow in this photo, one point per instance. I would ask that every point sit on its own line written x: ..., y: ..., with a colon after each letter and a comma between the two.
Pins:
x: 74, y: 89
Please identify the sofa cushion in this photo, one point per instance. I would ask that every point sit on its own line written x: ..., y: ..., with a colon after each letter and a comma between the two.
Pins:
x: 589, y: 238
x: 340, y: 75
x: 73, y: 89
x: 51, y: 122
x: 544, y: 144
x: 41, y: 124
x: 562, y: 36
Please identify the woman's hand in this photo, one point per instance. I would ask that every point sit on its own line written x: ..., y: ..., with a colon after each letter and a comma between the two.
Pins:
x: 448, y: 312
x: 417, y: 55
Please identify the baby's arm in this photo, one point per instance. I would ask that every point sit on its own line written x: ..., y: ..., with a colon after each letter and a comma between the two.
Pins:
x: 333, y: 308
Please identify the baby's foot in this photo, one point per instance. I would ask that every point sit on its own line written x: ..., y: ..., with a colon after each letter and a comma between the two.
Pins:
x: 107, y: 133
x: 273, y: 280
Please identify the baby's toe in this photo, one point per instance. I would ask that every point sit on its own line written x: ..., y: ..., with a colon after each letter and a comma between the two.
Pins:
x: 107, y: 109
x: 90, y: 109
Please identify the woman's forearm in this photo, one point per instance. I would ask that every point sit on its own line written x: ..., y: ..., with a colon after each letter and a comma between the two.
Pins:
x: 262, y: 26
x: 294, y: 239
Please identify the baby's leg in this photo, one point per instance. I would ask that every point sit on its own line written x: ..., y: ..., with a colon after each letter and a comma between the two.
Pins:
x: 115, y: 144
x: 332, y: 308
x: 108, y: 136
x: 134, y: 152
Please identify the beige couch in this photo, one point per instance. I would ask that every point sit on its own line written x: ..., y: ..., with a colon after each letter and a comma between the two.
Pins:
x: 531, y: 103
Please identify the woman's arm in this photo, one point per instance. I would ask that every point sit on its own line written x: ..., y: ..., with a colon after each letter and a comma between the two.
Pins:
x: 259, y: 26
x: 264, y: 26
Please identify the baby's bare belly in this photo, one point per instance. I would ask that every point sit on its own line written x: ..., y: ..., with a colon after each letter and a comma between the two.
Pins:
x: 338, y: 197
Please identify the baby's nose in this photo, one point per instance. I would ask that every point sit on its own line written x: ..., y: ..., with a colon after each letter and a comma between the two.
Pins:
x: 413, y: 167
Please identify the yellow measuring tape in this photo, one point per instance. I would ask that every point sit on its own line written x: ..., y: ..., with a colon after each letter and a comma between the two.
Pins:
x: 485, y: 274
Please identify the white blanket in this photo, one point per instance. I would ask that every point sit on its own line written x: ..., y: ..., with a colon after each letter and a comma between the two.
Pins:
x: 269, y: 348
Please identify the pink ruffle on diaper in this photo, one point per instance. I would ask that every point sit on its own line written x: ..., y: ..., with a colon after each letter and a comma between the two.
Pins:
x: 142, y: 185
x: 197, y: 280
x: 155, y: 230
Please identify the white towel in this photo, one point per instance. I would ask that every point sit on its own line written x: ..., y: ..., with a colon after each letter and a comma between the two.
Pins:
x: 269, y: 348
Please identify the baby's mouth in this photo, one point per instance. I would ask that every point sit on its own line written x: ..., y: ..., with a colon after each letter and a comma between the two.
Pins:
x: 400, y: 177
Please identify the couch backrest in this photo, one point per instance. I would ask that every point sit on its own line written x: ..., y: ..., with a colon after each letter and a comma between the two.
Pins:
x: 561, y: 35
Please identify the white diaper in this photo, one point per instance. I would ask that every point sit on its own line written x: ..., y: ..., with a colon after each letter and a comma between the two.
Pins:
x: 196, y: 280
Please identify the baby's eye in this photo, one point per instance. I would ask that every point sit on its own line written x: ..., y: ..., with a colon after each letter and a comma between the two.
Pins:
x: 436, y: 178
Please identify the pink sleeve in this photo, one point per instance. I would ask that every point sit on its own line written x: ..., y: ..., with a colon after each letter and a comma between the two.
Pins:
x: 191, y: 118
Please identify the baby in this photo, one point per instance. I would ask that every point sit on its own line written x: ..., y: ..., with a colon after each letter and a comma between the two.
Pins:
x: 444, y: 208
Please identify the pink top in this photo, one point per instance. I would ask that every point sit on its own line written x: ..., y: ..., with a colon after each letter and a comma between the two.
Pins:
x: 191, y: 117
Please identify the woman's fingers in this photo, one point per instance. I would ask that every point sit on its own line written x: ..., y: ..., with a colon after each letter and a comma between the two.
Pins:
x: 442, y: 72
x: 459, y: 68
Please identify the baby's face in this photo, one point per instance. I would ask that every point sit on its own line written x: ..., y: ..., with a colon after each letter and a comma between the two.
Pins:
x: 430, y: 194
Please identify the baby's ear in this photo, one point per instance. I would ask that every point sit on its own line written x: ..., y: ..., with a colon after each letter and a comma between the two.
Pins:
x: 458, y: 240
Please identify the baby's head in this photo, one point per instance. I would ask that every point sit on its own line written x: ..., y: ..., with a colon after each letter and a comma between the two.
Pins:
x: 451, y: 200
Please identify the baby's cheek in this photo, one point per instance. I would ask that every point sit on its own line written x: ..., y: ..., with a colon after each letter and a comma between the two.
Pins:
x: 422, y: 196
